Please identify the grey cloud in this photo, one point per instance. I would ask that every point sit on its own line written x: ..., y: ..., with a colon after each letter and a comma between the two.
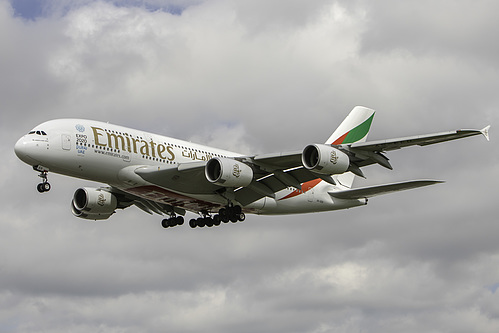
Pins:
x: 453, y: 28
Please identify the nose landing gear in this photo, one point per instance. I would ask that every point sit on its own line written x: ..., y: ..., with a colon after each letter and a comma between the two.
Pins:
x: 44, y: 186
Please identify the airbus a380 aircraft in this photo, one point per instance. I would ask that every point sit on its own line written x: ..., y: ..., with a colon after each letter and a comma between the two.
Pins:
x: 167, y: 176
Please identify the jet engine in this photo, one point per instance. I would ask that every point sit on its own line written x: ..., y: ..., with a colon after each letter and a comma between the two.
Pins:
x: 228, y: 172
x: 325, y: 160
x: 93, y: 203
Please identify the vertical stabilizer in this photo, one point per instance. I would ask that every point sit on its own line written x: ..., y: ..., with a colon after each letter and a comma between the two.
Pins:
x: 354, y: 128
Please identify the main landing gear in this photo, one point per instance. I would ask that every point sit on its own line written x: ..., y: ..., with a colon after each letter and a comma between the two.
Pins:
x: 44, y: 186
x: 230, y: 213
x: 172, y: 221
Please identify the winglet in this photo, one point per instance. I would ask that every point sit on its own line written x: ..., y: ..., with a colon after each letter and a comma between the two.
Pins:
x: 485, y: 132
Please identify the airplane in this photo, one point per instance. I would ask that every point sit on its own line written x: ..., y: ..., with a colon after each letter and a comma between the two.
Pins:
x: 169, y: 177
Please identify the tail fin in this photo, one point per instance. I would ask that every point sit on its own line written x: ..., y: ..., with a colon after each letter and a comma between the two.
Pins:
x: 354, y: 128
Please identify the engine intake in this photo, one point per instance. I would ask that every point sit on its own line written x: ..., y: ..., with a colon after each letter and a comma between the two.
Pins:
x: 325, y: 160
x: 227, y: 172
x: 93, y: 203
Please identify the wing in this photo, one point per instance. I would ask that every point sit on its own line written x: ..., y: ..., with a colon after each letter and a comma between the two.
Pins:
x: 419, y: 140
x: 186, y: 177
x: 275, y: 172
x: 286, y: 169
x: 126, y: 199
x: 271, y: 173
x: 366, y: 153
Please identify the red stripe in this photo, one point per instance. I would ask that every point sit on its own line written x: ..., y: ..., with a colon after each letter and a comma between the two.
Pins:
x: 340, y: 140
x: 305, y: 187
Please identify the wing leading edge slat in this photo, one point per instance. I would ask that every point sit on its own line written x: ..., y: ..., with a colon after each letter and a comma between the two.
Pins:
x: 419, y: 140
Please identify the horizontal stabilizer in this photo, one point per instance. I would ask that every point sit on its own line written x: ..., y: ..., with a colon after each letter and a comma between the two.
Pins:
x: 367, y: 192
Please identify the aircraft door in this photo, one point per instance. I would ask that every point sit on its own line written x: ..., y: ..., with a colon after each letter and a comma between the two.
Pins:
x: 66, y: 141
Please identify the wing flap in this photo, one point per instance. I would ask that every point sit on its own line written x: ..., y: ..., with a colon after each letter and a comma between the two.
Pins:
x: 368, y: 192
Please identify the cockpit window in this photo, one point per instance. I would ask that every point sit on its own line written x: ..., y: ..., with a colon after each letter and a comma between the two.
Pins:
x: 38, y: 132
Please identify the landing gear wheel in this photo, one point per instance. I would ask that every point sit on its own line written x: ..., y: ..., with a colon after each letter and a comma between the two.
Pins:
x: 43, y: 187
x: 180, y: 220
x: 216, y: 220
x: 242, y: 217
x: 233, y: 218
x: 237, y: 210
x: 200, y: 222
x: 224, y: 216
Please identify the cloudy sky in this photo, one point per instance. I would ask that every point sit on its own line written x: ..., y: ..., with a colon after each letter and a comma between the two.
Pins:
x: 256, y: 76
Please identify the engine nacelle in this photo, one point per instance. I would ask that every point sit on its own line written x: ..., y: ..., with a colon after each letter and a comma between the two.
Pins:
x: 228, y: 172
x: 93, y: 203
x: 325, y: 160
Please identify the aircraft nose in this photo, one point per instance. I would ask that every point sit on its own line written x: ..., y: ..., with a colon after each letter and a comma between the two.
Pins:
x: 19, y: 147
x: 24, y: 148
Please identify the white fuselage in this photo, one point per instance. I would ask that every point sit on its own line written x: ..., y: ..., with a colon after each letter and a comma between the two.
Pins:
x: 107, y: 153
